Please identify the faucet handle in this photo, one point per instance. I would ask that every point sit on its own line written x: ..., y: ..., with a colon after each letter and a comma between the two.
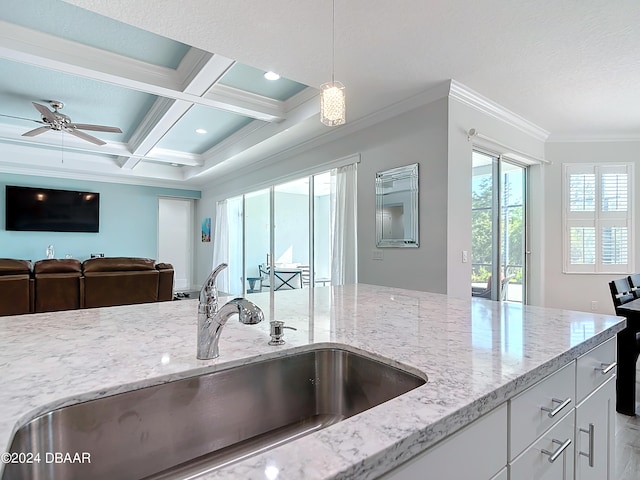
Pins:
x: 277, y: 332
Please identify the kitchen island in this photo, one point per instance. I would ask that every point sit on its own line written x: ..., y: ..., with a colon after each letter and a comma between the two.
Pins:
x: 476, y: 354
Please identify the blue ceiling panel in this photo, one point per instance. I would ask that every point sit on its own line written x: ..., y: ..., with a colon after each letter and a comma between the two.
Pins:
x: 217, y: 123
x: 252, y: 80
x: 86, y: 101
x: 73, y: 23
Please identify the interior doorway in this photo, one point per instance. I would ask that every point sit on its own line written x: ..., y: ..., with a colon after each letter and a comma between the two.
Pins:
x: 175, y: 238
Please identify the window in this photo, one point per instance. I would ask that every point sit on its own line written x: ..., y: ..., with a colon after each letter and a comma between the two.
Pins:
x: 597, y: 218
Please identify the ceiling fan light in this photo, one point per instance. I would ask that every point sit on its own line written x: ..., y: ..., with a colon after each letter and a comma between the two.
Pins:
x: 332, y: 104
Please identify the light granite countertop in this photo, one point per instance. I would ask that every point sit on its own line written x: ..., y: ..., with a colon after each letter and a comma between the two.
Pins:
x: 475, y: 353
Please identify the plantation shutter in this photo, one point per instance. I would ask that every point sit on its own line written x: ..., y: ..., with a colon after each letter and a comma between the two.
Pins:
x: 597, y: 218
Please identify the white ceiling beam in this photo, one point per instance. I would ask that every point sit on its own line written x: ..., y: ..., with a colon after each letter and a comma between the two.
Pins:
x: 200, y: 70
x: 11, y: 134
x: 24, y: 45
x: 128, y: 163
x: 163, y: 155
x: 302, y: 106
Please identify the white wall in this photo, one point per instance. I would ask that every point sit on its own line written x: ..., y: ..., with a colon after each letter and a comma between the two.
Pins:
x: 577, y: 291
x: 416, y: 136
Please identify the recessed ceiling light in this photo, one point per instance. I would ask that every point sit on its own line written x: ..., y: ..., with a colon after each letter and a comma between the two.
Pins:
x: 201, y: 131
x: 175, y: 164
x: 271, y: 76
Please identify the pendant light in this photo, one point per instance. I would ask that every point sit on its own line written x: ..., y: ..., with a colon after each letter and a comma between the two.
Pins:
x: 332, y: 94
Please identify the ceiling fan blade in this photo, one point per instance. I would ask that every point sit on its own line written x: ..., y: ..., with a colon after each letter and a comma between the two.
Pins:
x: 45, y: 112
x: 95, y: 128
x: 85, y: 136
x: 22, y: 118
x: 37, y: 131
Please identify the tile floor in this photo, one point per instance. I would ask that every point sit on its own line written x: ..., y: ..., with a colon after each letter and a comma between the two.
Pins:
x: 628, y: 441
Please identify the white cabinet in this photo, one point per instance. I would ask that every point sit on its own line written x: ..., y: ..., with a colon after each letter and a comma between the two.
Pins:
x: 595, y: 434
x: 561, y: 428
x: 594, y: 368
x: 540, y: 407
x: 573, y: 407
x: 550, y: 457
x: 478, y: 451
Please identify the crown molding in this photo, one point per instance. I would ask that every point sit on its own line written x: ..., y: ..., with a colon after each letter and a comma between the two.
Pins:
x: 595, y: 138
x: 474, y: 100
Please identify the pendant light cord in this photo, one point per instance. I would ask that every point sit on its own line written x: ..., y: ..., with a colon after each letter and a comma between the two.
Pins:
x: 333, y: 41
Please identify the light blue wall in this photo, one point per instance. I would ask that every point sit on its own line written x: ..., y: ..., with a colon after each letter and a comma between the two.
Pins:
x: 128, y: 221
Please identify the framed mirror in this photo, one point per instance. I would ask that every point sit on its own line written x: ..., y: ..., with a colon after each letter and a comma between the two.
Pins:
x: 397, y: 207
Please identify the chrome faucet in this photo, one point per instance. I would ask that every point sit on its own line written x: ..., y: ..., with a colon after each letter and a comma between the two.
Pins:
x: 211, y: 319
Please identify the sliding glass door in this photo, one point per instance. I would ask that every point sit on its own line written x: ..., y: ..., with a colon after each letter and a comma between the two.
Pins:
x: 291, y: 267
x: 498, y: 228
x: 513, y: 231
x: 280, y: 238
x: 257, y: 240
x: 323, y: 185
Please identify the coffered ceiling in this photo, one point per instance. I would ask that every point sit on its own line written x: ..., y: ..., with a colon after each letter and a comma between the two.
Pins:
x: 160, y: 69
x: 182, y: 110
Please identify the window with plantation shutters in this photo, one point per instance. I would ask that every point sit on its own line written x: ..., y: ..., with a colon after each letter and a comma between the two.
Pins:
x: 597, y: 218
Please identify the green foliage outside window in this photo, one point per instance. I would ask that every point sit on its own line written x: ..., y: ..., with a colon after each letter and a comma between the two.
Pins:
x: 481, y: 231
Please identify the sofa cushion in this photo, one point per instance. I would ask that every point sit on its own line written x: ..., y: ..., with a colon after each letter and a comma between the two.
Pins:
x: 54, y: 265
x: 58, y: 291
x: 16, y: 294
x: 10, y: 266
x: 105, y: 289
x: 118, y: 264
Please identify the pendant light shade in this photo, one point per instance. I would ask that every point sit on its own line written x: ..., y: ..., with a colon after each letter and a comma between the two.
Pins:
x: 332, y: 104
x: 333, y: 107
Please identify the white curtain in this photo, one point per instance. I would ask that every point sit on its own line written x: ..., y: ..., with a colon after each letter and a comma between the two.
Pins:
x: 221, y: 245
x: 344, y: 240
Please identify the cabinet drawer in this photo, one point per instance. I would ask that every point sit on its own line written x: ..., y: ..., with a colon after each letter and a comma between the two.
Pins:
x: 591, y: 367
x: 534, y: 464
x: 540, y: 407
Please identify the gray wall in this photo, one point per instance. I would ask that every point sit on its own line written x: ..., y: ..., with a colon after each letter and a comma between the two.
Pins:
x: 419, y: 136
x: 435, y: 136
x: 416, y: 136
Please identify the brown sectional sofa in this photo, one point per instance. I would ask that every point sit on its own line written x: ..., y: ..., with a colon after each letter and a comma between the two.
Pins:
x: 66, y: 284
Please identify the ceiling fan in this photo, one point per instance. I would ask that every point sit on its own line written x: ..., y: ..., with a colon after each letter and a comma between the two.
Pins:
x: 54, y: 120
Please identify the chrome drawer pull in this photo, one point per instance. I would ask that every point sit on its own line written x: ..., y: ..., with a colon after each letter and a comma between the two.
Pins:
x: 604, y: 368
x: 553, y: 456
x: 553, y: 412
x: 592, y: 437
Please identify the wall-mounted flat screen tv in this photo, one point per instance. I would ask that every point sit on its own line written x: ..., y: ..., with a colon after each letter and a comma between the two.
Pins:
x: 48, y: 210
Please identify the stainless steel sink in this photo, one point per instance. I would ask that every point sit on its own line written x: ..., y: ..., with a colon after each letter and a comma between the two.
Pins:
x: 194, y: 425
